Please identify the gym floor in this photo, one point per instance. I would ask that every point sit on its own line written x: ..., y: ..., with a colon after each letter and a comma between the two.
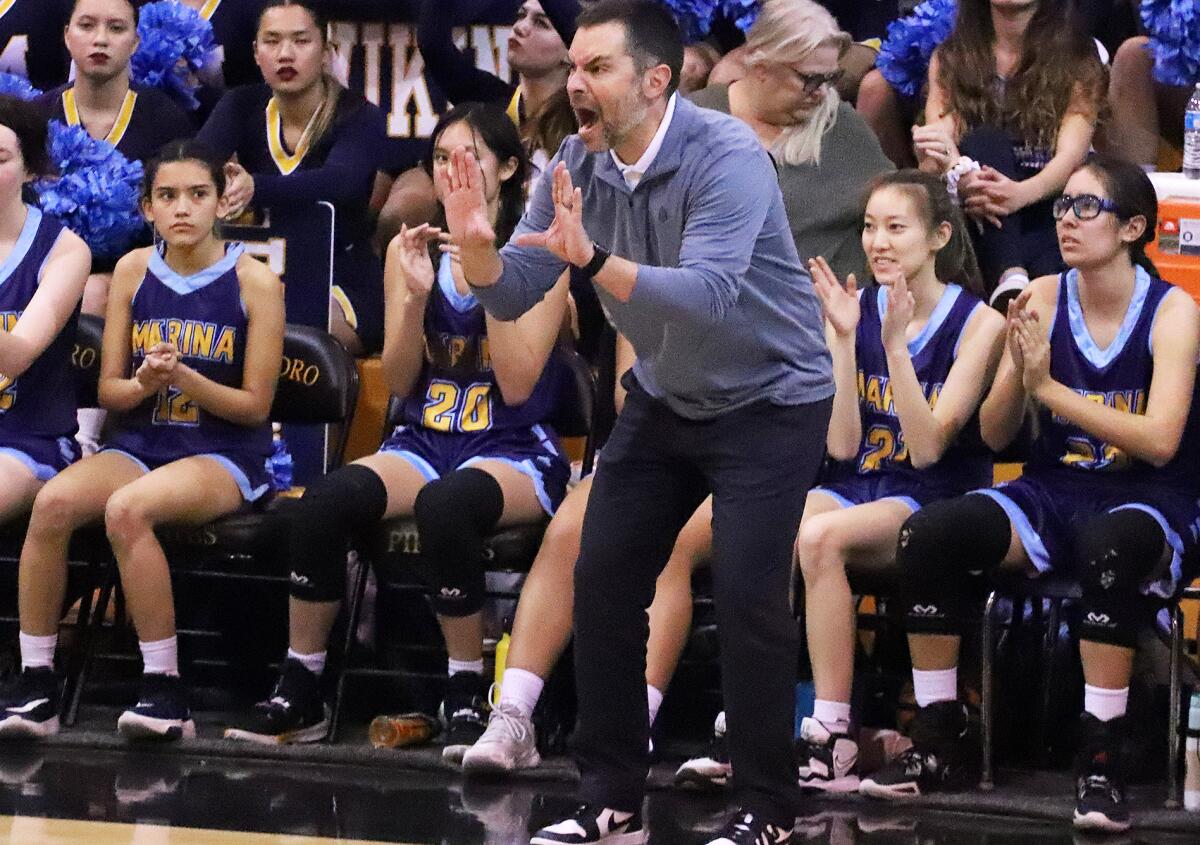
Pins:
x: 95, y: 790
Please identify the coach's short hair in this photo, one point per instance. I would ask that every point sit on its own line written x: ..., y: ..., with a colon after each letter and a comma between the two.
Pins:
x: 652, y: 36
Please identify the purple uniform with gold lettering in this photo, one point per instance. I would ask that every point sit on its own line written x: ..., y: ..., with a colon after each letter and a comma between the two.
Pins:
x: 455, y: 415
x: 883, y: 469
x: 203, y: 314
x: 1071, y: 475
x: 37, y: 410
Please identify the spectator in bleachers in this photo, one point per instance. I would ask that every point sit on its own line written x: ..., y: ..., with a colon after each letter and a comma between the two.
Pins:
x: 472, y: 454
x: 301, y: 138
x: 913, y: 355
x: 1145, y: 112
x: 825, y: 154
x: 537, y: 103
x: 193, y: 341
x: 1107, y: 353
x: 43, y: 273
x: 31, y: 41
x: 1018, y: 88
x: 101, y: 36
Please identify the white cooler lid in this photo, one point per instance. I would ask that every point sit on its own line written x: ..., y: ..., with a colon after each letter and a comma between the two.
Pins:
x: 1175, y: 185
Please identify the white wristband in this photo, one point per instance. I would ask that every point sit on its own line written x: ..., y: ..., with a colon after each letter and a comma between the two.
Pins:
x: 960, y: 168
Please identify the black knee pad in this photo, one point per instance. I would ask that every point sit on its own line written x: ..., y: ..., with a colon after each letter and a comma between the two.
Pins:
x: 333, y: 509
x: 1115, y: 553
x: 453, y: 515
x: 938, y: 547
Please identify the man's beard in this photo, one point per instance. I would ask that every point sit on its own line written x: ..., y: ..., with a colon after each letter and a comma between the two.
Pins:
x: 632, y: 112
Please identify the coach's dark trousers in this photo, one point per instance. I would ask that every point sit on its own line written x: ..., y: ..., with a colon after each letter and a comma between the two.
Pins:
x: 655, y: 469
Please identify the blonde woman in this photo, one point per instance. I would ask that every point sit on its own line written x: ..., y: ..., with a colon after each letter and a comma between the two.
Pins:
x: 825, y: 153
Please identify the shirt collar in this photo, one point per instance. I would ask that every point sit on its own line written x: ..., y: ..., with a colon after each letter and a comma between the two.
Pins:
x: 633, y: 173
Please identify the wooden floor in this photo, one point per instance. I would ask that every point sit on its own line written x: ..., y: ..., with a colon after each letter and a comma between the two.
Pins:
x: 25, y: 830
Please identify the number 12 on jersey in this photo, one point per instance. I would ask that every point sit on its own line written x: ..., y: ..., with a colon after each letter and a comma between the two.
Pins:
x: 448, y: 407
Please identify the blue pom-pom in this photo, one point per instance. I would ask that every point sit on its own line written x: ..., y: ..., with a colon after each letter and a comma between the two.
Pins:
x: 12, y: 85
x: 96, y: 193
x: 695, y: 17
x: 743, y: 13
x: 904, y: 57
x: 175, y: 43
x: 1174, y: 30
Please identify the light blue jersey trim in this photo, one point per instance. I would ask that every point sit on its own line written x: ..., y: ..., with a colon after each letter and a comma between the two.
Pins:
x: 525, y: 467
x: 112, y: 450
x: 418, y: 463
x: 1034, y: 547
x: 966, y: 322
x: 183, y: 285
x: 940, y: 312
x: 42, y: 472
x: 445, y: 278
x: 249, y: 494
x: 837, y: 497
x: 1164, y: 587
x: 1097, y: 357
x: 545, y: 439
x: 49, y: 252
x: 33, y: 218
x: 1153, y: 322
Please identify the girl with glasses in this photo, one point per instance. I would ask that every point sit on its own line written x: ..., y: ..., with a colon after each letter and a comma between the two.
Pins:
x: 1106, y: 352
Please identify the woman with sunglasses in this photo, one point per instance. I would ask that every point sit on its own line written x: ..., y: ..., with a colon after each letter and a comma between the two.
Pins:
x: 822, y: 148
x: 1107, y: 353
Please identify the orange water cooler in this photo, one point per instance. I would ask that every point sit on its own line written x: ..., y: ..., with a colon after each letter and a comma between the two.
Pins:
x: 1176, y: 247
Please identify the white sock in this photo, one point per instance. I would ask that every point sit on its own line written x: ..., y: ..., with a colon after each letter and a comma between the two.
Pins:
x: 521, y: 689
x: 453, y: 667
x: 37, y: 652
x: 91, y: 421
x: 1105, y: 704
x: 160, y: 657
x: 654, y: 699
x: 934, y: 686
x: 834, y: 715
x: 314, y: 663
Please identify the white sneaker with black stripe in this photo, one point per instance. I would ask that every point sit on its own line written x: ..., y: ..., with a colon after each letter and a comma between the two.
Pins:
x: 593, y: 825
x: 746, y: 829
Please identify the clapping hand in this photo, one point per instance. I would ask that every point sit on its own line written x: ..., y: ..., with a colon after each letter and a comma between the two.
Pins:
x: 1035, y: 353
x: 566, y: 238
x: 158, y: 367
x: 410, y: 249
x: 460, y: 184
x: 839, y: 304
x: 1016, y: 307
x: 901, y: 306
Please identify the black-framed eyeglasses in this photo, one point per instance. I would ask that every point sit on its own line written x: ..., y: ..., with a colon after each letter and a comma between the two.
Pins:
x: 813, y: 82
x: 1085, y: 206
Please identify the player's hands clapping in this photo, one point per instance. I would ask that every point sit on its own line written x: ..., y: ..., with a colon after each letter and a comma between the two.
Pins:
x: 1035, y: 352
x: 839, y: 304
x: 410, y: 249
x: 901, y: 306
x: 158, y: 367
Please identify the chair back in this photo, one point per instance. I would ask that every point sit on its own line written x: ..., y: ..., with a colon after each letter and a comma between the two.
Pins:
x: 85, y: 358
x: 318, y: 382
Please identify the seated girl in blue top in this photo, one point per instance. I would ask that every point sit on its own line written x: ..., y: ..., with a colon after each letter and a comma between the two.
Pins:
x: 912, y: 356
x: 1106, y: 353
x: 471, y: 454
x: 193, y: 343
x: 301, y: 138
x: 42, y: 272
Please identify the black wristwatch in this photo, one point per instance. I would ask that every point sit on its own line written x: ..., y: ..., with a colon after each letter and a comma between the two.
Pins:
x: 600, y: 255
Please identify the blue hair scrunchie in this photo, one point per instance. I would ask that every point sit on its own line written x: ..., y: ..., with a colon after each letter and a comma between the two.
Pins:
x: 175, y: 43
x: 904, y: 56
x: 96, y: 192
x: 1174, y: 30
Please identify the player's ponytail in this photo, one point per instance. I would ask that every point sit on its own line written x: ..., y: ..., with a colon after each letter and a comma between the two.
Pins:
x: 956, y: 261
x: 1131, y: 190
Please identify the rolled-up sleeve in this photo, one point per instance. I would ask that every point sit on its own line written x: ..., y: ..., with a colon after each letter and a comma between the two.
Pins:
x: 528, y: 271
x: 724, y: 215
